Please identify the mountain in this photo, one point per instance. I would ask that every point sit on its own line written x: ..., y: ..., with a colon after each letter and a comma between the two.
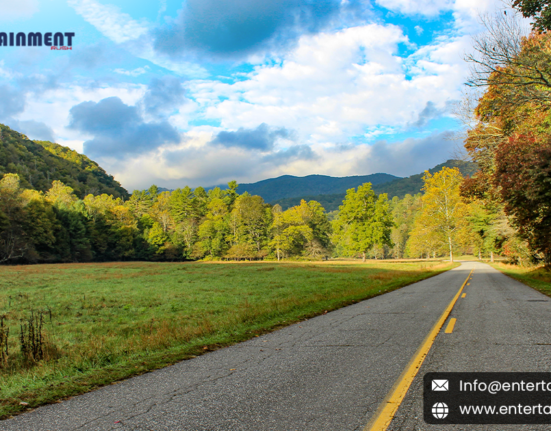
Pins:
x: 38, y: 163
x: 288, y: 186
x: 398, y: 187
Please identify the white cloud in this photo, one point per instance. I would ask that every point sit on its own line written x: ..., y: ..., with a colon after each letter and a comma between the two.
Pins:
x: 109, y: 20
x: 17, y: 9
x: 467, y: 14
x: 53, y: 107
x: 337, y: 85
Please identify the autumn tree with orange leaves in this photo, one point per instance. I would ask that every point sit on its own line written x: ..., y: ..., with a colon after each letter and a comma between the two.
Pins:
x: 511, y: 141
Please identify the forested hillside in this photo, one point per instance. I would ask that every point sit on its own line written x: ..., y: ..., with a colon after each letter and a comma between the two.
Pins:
x: 398, y: 187
x: 39, y: 163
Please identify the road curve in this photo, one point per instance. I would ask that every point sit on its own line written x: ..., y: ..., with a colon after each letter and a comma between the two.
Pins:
x: 328, y: 373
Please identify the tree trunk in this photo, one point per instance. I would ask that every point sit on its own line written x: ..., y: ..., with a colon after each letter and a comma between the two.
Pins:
x: 363, y: 257
x: 479, y: 255
x: 491, y: 256
x: 451, y: 248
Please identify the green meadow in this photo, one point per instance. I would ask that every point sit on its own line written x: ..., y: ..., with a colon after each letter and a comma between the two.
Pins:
x: 94, y: 324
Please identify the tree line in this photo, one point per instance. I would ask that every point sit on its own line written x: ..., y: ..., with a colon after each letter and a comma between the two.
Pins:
x: 186, y: 224
x: 57, y: 226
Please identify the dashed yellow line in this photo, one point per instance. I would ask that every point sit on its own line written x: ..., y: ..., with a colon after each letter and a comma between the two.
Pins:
x: 451, y: 324
x: 387, y: 409
x: 463, y: 296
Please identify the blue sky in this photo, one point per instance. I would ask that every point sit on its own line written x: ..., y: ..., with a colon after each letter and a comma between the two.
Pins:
x: 202, y: 92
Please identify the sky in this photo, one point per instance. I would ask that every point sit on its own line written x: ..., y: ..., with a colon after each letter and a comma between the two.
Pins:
x: 203, y: 92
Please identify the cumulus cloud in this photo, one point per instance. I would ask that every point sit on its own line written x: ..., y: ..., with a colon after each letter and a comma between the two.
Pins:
x: 262, y: 138
x: 233, y: 29
x: 118, y: 129
x: 334, y: 86
x: 163, y: 95
x: 193, y: 162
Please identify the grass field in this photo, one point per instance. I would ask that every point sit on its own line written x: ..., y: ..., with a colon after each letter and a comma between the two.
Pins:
x: 106, y: 322
x: 539, y: 278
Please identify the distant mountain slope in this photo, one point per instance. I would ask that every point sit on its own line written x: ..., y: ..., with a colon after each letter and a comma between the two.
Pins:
x: 399, y: 187
x: 289, y: 186
x: 38, y: 163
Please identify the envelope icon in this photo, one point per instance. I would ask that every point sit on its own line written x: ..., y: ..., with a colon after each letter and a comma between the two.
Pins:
x: 440, y: 385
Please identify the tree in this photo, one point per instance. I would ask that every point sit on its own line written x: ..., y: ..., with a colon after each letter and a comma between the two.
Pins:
x: 182, y: 204
x: 13, y: 241
x: 61, y: 195
x: 157, y: 237
x: 537, y: 9
x: 423, y: 240
x: 523, y: 177
x: 363, y: 221
x: 443, y: 210
x: 140, y: 203
x: 161, y: 210
x: 511, y: 61
x: 278, y: 225
x: 249, y: 220
x: 403, y: 214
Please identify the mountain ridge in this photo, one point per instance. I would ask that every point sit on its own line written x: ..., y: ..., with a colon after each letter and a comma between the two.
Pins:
x: 398, y: 187
x: 272, y: 189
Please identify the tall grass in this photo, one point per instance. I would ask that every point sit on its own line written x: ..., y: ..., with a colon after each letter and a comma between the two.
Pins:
x: 75, y: 327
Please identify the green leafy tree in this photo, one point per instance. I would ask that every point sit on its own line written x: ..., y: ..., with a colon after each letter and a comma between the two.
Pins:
x: 13, y: 243
x: 539, y: 10
x: 364, y: 220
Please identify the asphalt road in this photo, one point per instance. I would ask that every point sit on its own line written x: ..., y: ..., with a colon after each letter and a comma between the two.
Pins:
x: 502, y: 325
x: 330, y: 372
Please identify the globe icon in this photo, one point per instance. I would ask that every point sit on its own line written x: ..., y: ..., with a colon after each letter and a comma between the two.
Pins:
x: 440, y: 410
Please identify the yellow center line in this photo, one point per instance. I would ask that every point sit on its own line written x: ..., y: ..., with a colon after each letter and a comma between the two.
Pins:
x: 463, y: 296
x: 451, y: 324
x: 387, y: 409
